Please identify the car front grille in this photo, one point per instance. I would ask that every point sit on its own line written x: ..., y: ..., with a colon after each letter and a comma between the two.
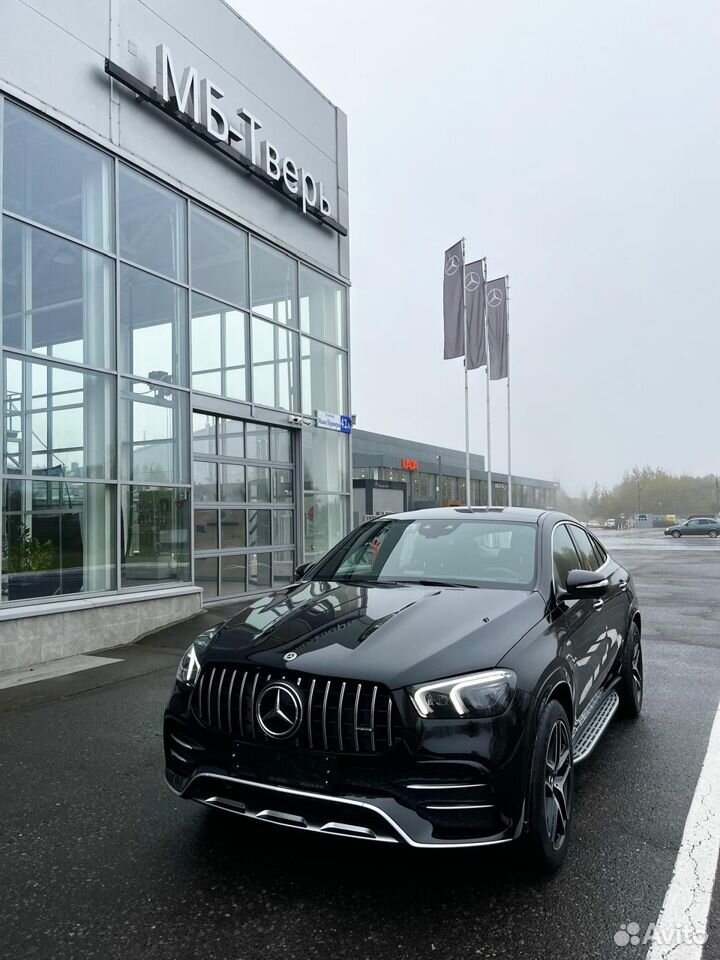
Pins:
x: 338, y: 716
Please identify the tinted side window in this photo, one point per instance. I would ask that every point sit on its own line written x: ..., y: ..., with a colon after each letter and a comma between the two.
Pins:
x: 600, y: 551
x: 584, y: 548
x: 565, y: 557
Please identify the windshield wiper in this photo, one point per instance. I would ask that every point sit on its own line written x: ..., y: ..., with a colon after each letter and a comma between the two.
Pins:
x: 424, y: 582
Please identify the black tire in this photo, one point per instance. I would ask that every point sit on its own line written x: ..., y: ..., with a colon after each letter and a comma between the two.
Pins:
x: 631, y: 683
x: 713, y: 534
x: 676, y: 534
x: 552, y: 778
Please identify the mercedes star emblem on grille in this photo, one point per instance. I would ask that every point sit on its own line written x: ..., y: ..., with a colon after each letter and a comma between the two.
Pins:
x: 279, y: 710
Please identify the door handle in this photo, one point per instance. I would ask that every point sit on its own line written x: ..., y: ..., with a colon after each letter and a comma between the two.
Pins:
x: 623, y: 585
x: 598, y: 604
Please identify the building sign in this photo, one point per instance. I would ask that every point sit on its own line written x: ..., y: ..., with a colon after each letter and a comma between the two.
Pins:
x: 334, y: 421
x: 198, y: 104
x: 407, y: 464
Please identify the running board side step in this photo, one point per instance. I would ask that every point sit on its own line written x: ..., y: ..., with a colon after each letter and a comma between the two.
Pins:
x: 588, y: 735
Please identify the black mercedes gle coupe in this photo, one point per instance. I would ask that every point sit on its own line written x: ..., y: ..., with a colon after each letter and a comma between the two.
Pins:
x: 433, y: 680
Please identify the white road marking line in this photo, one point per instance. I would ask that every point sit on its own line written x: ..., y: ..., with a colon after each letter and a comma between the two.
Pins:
x: 682, y: 925
x: 54, y: 668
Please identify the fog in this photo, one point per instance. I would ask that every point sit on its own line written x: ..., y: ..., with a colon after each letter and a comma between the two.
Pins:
x: 575, y: 146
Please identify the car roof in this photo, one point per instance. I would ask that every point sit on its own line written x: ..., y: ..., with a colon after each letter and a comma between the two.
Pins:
x: 527, y: 514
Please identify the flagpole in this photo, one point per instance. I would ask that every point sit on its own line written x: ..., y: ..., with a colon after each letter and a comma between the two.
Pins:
x: 487, y: 370
x: 509, y: 427
x: 468, y: 500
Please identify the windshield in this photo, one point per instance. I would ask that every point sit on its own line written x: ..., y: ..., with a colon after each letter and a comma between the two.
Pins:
x: 464, y: 552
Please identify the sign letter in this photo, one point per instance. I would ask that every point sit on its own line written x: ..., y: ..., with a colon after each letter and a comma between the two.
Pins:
x: 212, y: 116
x: 185, y: 94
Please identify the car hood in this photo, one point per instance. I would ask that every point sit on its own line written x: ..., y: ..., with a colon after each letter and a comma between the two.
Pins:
x: 396, y: 634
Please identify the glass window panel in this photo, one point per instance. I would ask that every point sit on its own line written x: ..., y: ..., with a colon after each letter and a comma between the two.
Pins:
x: 283, y: 568
x: 322, y: 306
x: 233, y: 529
x: 204, y: 433
x: 58, y: 421
x: 258, y: 485
x: 232, y: 438
x: 155, y: 523
x: 283, y: 486
x: 58, y: 297
x: 219, y: 336
x: 280, y: 445
x: 57, y: 538
x: 325, y: 460
x: 232, y: 575
x: 206, y: 529
x: 274, y: 380
x: 283, y: 526
x: 323, y: 378
x: 258, y: 441
x: 205, y: 481
x: 206, y: 576
x: 153, y: 327
x: 219, y: 257
x: 232, y: 486
x: 325, y: 523
x: 154, y: 429
x: 259, y: 528
x: 259, y: 571
x: 273, y: 284
x: 54, y: 178
x: 152, y: 224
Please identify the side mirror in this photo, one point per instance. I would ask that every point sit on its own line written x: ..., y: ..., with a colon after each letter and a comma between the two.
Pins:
x: 583, y: 584
x: 301, y: 569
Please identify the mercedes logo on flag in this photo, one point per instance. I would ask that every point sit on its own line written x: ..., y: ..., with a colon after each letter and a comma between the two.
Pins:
x: 495, y: 297
x: 452, y: 265
x: 472, y: 281
x: 279, y: 710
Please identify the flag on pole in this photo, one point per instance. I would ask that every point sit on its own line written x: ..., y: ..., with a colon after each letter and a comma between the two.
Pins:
x: 497, y: 314
x: 453, y: 302
x: 475, y: 307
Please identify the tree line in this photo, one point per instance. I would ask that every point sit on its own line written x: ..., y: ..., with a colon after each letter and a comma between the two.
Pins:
x: 647, y: 490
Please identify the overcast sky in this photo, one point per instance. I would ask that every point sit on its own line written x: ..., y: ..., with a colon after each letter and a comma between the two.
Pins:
x: 577, y: 147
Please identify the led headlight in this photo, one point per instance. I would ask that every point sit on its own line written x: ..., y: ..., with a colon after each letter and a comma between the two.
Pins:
x: 486, y: 694
x: 189, y: 669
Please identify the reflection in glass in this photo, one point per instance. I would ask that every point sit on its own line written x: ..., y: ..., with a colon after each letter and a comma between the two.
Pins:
x: 206, y: 576
x: 232, y: 438
x: 259, y: 530
x: 258, y: 485
x: 283, y: 568
x: 258, y: 571
x: 273, y: 284
x: 219, y: 257
x: 206, y: 529
x: 58, y: 297
x: 325, y: 460
x: 153, y: 327
x: 233, y: 529
x: 280, y: 445
x: 153, y: 425
x: 258, y: 441
x: 325, y: 523
x: 155, y: 526
x: 323, y: 378
x: 151, y: 223
x: 232, y: 575
x: 205, y: 481
x: 204, y: 433
x: 59, y: 421
x: 232, y: 485
x: 274, y: 381
x: 322, y: 306
x: 55, y: 179
x: 218, y: 348
x: 57, y: 538
x: 283, y: 488
x: 283, y: 527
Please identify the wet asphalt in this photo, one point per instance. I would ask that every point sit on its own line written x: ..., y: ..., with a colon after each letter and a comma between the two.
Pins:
x: 99, y: 859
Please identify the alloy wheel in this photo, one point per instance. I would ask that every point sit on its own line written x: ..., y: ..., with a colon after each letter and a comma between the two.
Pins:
x: 637, y: 672
x: 558, y: 765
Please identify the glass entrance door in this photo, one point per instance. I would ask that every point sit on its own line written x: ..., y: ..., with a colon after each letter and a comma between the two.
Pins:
x: 244, y: 490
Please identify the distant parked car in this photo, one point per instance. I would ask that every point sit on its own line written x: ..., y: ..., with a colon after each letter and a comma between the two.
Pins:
x: 610, y: 524
x: 696, y: 527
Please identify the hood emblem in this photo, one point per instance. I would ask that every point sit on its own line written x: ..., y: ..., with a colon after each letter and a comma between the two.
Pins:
x: 279, y: 710
x: 290, y: 656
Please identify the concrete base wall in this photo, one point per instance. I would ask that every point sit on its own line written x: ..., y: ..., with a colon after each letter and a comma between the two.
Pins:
x: 40, y: 633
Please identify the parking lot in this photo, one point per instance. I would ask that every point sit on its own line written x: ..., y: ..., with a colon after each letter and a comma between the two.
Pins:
x: 99, y: 859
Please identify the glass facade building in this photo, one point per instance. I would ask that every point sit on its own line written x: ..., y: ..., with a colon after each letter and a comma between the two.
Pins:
x: 153, y: 352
